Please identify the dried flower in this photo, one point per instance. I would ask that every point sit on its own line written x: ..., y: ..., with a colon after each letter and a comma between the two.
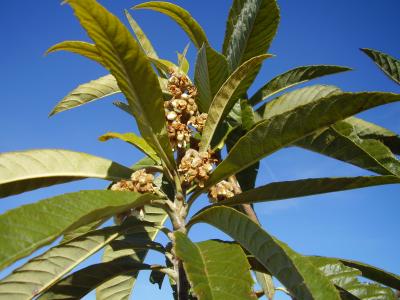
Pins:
x: 198, y: 122
x: 179, y: 134
x: 196, y: 167
x: 221, y: 191
x: 141, y: 182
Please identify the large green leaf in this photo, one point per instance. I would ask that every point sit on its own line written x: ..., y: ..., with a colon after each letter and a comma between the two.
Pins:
x: 210, y: 73
x: 87, y: 92
x: 29, y: 227
x: 347, y: 279
x: 120, y: 287
x: 215, y: 270
x: 292, y: 78
x: 129, y: 64
x: 80, y: 283
x: 300, y: 277
x: 43, y: 271
x: 78, y: 47
x: 28, y: 170
x: 296, y: 98
x: 134, y: 140
x: 388, y: 64
x: 223, y: 101
x: 250, y: 29
x: 341, y: 141
x: 374, y: 273
x: 182, y: 17
x: 286, y: 128
x: 306, y: 187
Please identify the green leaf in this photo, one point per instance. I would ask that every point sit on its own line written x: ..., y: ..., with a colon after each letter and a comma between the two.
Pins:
x: 145, y: 162
x: 286, y: 128
x: 78, y: 47
x: 96, y: 89
x: 388, y: 64
x: 347, y: 279
x: 297, y: 98
x: 121, y: 286
x: 213, y: 268
x: 341, y: 141
x: 182, y: 60
x: 210, y: 73
x: 182, y: 17
x: 141, y: 36
x: 80, y: 283
x: 250, y: 29
x: 266, y: 283
x: 29, y: 170
x: 374, y: 273
x: 134, y: 140
x: 129, y: 64
x: 300, y: 277
x: 247, y: 177
x: 43, y: 271
x: 368, y: 130
x: 306, y: 187
x: 292, y: 78
x: 225, y: 98
x: 29, y: 227
x: 164, y: 64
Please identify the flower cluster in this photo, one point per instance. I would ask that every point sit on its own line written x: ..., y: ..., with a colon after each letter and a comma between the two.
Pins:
x: 182, y: 111
x: 221, y: 191
x: 196, y: 167
x: 141, y: 182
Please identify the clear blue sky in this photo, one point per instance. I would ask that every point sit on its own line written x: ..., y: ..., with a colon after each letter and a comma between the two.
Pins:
x: 360, y: 224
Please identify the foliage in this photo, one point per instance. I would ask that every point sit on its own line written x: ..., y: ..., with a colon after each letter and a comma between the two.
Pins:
x: 185, y: 130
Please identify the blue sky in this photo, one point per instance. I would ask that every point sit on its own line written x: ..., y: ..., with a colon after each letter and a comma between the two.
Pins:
x: 360, y: 224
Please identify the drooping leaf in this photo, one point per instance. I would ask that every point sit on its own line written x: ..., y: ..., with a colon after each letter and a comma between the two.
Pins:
x: 250, y: 29
x: 388, y: 64
x: 306, y: 187
x: 120, y: 287
x: 182, y: 17
x: 157, y: 278
x: 225, y: 98
x: 288, y: 127
x: 374, y: 273
x: 129, y: 64
x: 141, y: 36
x: 342, y: 142
x: 80, y: 283
x: 346, y: 278
x: 28, y: 170
x: 213, y: 268
x: 96, y: 89
x: 134, y: 140
x: 294, y: 271
x: 43, y: 271
x: 29, y: 227
x: 210, y: 73
x: 78, y: 47
x: 292, y: 78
